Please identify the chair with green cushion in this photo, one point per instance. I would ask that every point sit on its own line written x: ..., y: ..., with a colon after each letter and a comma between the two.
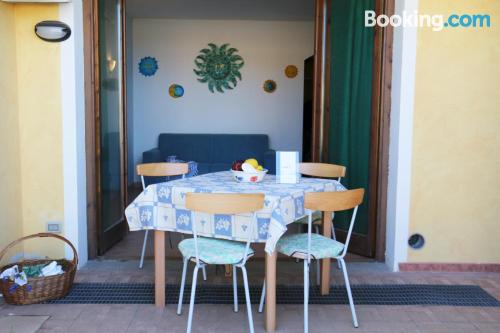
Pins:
x: 309, y: 246
x: 210, y: 251
x: 320, y: 170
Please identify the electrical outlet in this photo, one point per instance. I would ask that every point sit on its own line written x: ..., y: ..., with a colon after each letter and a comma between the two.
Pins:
x: 54, y: 227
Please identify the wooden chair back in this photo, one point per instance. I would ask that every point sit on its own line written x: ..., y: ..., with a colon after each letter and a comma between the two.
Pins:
x: 225, y: 203
x: 323, y: 170
x: 162, y: 169
x: 334, y: 201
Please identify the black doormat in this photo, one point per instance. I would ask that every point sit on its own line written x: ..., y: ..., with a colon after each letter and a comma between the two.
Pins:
x: 395, y: 294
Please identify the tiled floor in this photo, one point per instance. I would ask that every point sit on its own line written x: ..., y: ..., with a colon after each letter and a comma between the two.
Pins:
x: 221, y: 318
x: 210, y: 318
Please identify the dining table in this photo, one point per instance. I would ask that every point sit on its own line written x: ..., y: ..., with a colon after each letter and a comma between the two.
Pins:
x: 161, y: 207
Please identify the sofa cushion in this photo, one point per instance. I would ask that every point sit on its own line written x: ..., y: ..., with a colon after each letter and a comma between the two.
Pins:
x: 204, y: 167
x: 212, y: 152
x: 227, y: 148
x: 187, y: 147
x: 216, y: 167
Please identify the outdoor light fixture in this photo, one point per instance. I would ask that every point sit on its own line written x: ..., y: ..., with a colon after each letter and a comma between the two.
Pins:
x: 52, y: 31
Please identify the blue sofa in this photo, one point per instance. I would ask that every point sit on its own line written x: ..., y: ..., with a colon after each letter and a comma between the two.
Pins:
x: 213, y: 152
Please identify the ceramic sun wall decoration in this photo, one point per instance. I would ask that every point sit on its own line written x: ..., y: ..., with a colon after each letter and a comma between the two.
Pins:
x: 148, y: 66
x: 219, y: 67
x: 176, y: 90
x: 291, y: 71
x: 269, y: 86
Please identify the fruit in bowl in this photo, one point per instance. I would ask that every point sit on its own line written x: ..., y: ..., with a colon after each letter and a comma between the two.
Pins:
x: 237, y: 165
x: 253, y: 162
x: 248, y: 171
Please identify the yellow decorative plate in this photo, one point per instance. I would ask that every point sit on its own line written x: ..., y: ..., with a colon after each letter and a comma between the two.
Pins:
x: 291, y: 71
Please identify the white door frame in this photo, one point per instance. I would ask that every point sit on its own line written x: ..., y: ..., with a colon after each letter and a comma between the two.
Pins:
x: 73, y: 122
x: 401, y: 138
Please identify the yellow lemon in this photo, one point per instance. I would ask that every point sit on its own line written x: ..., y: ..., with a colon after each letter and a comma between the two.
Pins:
x: 260, y: 168
x: 253, y: 162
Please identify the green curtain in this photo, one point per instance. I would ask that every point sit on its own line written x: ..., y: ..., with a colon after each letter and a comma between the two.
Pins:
x: 350, y: 98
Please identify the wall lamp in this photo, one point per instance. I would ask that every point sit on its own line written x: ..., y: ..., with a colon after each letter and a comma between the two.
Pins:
x: 52, y: 31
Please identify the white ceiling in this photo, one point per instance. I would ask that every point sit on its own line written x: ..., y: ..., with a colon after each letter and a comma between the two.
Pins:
x: 286, y: 10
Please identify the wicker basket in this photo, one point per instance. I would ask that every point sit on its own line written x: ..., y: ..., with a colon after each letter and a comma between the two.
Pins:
x: 42, y: 288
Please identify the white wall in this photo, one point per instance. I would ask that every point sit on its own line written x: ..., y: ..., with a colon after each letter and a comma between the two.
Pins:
x: 267, y: 47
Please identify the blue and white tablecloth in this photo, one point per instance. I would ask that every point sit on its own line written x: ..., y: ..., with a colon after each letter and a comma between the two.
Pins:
x: 161, y: 207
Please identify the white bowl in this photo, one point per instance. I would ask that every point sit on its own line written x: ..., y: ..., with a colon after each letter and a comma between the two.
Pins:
x: 249, y: 177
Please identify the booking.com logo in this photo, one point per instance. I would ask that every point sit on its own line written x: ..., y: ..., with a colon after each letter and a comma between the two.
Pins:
x: 436, y: 22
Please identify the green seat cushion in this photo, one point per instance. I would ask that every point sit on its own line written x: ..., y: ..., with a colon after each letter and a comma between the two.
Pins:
x: 215, y: 251
x: 321, y: 246
x: 316, y: 218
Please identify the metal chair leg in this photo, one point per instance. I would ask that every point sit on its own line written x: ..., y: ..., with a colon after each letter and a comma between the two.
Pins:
x: 306, y: 297
x: 317, y: 262
x: 183, y: 282
x: 349, y: 294
x: 204, y: 271
x: 170, y: 240
x: 191, y: 302
x: 143, y: 252
x: 299, y: 230
x: 262, y: 297
x: 335, y: 238
x: 235, y: 289
x: 247, y: 296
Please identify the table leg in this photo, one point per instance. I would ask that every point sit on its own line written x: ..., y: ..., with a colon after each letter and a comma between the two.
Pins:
x: 325, y: 263
x: 160, y: 268
x: 270, y: 312
x: 228, y: 270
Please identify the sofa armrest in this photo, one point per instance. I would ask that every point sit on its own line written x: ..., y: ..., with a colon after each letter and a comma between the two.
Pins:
x: 152, y: 156
x: 270, y: 161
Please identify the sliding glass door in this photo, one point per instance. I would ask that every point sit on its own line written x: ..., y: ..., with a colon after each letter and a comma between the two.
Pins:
x: 110, y: 125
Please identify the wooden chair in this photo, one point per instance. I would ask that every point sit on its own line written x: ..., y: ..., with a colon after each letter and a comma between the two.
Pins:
x: 308, y: 246
x: 211, y: 251
x: 321, y: 170
x: 158, y: 170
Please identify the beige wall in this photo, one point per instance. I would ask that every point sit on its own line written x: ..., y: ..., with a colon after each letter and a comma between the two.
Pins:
x: 39, y: 99
x: 10, y: 194
x: 34, y: 130
x: 455, y: 201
